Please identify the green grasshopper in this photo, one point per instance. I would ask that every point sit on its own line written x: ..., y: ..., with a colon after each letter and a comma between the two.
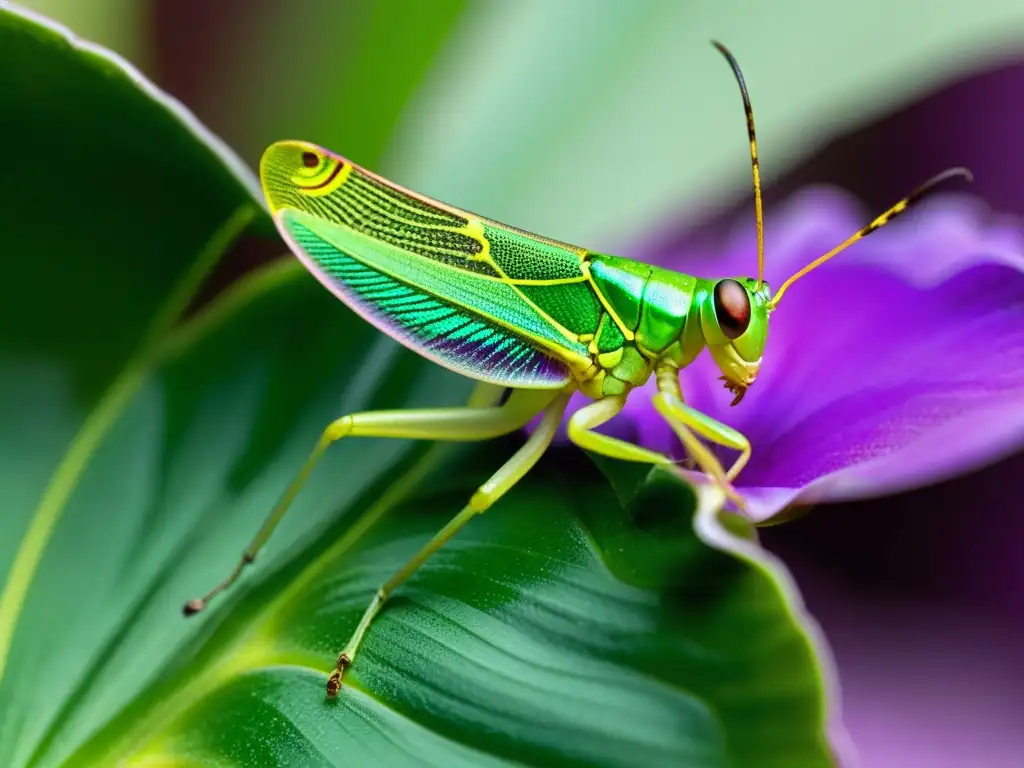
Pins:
x: 516, y: 311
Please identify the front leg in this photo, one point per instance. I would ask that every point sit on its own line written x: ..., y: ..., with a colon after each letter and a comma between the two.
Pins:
x: 671, y: 407
x: 687, y: 423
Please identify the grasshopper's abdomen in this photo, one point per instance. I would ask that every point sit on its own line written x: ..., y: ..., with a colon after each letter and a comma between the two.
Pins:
x: 648, y: 316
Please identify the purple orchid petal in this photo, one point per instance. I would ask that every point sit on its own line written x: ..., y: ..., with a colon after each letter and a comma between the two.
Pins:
x: 898, y: 364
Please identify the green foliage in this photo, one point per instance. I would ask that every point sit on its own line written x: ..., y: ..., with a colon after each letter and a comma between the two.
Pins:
x: 116, y: 24
x: 138, y: 454
x: 335, y: 73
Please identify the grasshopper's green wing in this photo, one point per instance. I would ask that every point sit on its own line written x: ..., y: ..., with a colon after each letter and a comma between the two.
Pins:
x: 488, y: 301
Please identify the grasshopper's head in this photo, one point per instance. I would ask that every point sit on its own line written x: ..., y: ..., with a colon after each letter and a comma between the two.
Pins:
x: 296, y: 174
x: 734, y: 320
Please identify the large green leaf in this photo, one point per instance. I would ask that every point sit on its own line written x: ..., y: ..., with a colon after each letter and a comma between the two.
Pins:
x: 554, y: 630
x: 114, y: 203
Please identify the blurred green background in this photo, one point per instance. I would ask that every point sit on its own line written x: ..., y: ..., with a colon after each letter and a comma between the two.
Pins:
x: 600, y: 117
x: 604, y: 121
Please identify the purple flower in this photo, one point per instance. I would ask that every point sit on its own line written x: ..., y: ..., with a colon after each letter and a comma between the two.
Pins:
x: 897, y: 364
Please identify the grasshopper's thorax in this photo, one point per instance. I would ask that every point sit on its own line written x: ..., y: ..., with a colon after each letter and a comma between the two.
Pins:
x: 646, y: 317
x: 651, y: 315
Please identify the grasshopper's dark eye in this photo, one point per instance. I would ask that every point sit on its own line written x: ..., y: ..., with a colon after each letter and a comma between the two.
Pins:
x: 732, y: 308
x: 310, y: 159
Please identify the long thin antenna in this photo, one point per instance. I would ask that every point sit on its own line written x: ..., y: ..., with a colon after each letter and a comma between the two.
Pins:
x: 878, y: 223
x: 754, y: 164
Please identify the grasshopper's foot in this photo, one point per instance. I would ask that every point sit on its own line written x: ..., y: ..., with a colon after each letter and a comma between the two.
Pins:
x: 192, y: 607
x: 334, y: 681
x: 736, y: 498
x: 731, y: 494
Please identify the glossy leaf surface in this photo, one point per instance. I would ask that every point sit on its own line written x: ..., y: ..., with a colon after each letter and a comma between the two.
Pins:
x: 113, y: 202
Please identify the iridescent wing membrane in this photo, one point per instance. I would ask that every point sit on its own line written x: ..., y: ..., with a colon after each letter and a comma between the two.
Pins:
x: 491, y: 302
